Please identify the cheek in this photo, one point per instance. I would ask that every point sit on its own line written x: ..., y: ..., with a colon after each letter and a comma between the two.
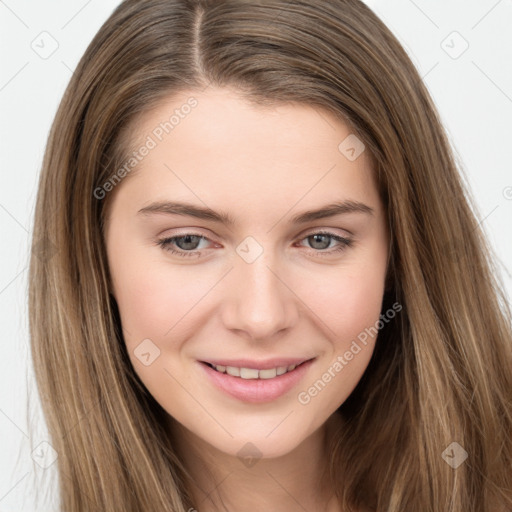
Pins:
x: 152, y: 297
x: 345, y: 301
x: 360, y: 303
x: 155, y: 305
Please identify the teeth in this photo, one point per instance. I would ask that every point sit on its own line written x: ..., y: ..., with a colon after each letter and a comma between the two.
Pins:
x: 252, y: 373
x: 248, y: 373
x: 231, y: 370
x: 268, y: 374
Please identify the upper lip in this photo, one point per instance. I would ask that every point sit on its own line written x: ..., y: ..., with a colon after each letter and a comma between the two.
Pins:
x: 258, y: 365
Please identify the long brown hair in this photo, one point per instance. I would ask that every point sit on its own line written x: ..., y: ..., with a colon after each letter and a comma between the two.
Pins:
x: 441, y: 373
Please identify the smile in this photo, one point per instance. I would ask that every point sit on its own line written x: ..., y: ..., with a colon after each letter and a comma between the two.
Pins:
x: 253, y: 373
x: 255, y: 382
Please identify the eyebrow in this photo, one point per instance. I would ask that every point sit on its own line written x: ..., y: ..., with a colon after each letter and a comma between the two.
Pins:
x: 205, y: 213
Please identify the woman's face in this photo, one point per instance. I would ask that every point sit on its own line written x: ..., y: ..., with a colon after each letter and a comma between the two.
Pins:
x: 217, y: 257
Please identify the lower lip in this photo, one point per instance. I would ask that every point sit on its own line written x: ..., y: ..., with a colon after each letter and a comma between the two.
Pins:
x: 257, y: 390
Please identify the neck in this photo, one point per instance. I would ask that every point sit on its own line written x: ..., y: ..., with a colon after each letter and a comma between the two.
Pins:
x: 296, y: 481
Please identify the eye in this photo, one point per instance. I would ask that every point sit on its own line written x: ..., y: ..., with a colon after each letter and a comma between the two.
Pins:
x: 321, y: 240
x: 188, y: 243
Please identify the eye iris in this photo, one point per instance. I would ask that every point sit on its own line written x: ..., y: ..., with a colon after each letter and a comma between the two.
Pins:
x: 315, y: 240
x: 185, y: 245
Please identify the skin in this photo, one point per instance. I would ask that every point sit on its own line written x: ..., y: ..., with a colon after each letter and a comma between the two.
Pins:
x: 262, y: 166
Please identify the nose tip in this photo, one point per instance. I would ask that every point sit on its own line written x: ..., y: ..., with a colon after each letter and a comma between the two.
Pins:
x: 260, y: 305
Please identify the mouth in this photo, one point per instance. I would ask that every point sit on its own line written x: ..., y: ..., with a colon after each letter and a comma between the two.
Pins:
x: 243, y: 372
x: 253, y: 382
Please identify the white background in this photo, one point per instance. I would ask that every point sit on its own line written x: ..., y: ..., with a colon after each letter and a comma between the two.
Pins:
x: 473, y: 93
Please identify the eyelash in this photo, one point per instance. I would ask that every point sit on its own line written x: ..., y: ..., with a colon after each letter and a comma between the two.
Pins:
x: 165, y: 243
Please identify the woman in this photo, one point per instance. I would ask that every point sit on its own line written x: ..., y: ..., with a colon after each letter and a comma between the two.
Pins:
x: 368, y: 373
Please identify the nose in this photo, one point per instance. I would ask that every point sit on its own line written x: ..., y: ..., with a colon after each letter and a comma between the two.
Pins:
x: 260, y: 303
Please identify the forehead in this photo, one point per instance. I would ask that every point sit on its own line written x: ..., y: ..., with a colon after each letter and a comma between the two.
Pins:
x: 217, y: 147
x: 220, y: 116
